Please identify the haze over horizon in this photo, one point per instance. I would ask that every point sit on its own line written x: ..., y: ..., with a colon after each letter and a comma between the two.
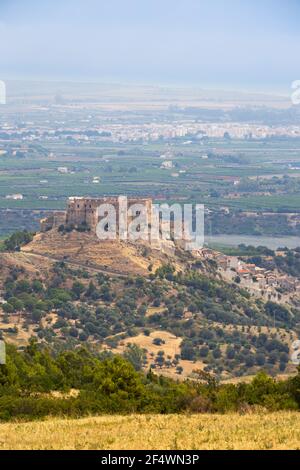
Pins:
x: 250, y: 45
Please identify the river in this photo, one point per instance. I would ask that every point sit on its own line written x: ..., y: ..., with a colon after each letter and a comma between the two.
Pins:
x: 270, y: 242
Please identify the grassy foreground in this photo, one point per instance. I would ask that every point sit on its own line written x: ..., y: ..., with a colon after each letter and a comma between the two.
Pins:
x: 170, y: 432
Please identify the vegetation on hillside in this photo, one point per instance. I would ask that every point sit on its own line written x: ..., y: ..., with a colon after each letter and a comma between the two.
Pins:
x: 110, y: 384
x: 17, y: 240
x: 72, y: 307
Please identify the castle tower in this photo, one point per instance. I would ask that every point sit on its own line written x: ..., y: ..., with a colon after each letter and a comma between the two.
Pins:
x: 82, y: 211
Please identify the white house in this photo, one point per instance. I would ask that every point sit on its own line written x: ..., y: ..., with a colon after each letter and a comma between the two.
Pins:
x: 15, y: 197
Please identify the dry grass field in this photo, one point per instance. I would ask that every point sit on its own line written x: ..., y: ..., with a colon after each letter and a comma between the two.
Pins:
x: 171, y: 347
x: 84, y: 250
x: 265, y: 431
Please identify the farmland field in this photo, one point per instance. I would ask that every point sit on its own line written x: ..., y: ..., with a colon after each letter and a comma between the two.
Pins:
x: 62, y: 156
x: 262, y: 431
x: 135, y: 169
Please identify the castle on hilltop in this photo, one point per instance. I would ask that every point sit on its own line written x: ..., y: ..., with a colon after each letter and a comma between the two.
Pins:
x: 82, y: 211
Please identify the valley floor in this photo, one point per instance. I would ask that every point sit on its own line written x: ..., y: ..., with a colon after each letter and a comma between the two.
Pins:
x: 266, y: 431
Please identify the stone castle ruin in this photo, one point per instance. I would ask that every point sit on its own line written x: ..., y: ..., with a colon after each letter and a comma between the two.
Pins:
x: 82, y: 212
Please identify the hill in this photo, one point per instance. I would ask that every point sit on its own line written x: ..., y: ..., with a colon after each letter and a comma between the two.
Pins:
x: 165, y: 309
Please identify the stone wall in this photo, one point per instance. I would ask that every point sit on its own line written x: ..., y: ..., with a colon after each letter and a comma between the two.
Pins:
x: 83, y: 211
x: 54, y: 220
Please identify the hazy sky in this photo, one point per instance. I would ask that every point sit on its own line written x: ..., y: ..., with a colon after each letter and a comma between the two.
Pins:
x: 248, y: 43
